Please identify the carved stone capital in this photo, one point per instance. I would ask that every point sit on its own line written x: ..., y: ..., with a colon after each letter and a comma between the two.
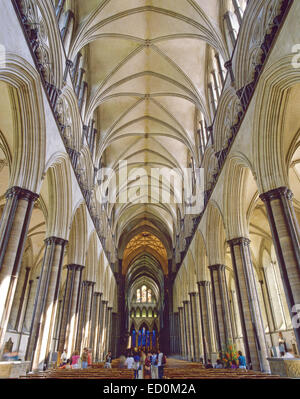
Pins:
x: 203, y: 283
x: 277, y: 193
x: 21, y: 193
x: 74, y: 266
x: 56, y: 241
x: 239, y: 241
x: 217, y: 267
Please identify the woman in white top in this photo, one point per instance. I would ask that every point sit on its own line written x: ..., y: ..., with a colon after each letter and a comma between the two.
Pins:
x: 129, y: 362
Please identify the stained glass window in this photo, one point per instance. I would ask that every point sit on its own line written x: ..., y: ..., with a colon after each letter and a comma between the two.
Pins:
x: 138, y: 295
x: 144, y: 293
x: 149, y: 296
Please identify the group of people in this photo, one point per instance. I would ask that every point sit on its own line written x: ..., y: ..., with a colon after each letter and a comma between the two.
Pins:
x: 76, y: 361
x: 240, y: 363
x: 145, y: 364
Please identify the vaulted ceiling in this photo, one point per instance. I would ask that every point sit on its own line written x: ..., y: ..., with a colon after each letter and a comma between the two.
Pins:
x: 147, y: 75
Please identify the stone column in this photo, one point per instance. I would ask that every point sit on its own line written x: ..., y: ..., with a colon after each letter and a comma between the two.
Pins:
x: 285, y: 232
x: 189, y: 345
x: 207, y: 326
x: 95, y: 325
x: 182, y: 333
x: 85, y: 315
x: 221, y: 305
x: 93, y: 321
x: 69, y: 308
x: 198, y: 330
x: 103, y: 335
x: 108, y: 334
x: 192, y: 331
x: 41, y: 331
x: 220, y: 70
x: 100, y: 329
x: 268, y: 307
x: 194, y: 326
x: 250, y: 315
x: 81, y: 315
x: 88, y: 319
x: 21, y: 301
x: 59, y: 9
x: 13, y: 232
x: 79, y: 81
x: 238, y: 12
x: 231, y: 30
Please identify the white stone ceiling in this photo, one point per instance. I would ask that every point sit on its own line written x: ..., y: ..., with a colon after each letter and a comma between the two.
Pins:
x: 146, y: 69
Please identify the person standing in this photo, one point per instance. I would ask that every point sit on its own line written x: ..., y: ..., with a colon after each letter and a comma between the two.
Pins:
x: 84, y: 358
x: 136, y: 364
x: 160, y: 365
x: 208, y: 364
x: 108, y: 360
x: 147, y: 366
x: 142, y: 364
x: 154, y: 366
x: 64, y: 358
x: 129, y: 362
x: 242, y: 361
x: 75, y: 359
x: 281, y: 344
x: 90, y: 357
x: 122, y: 361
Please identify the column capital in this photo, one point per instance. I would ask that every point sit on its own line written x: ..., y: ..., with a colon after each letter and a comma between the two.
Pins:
x: 104, y: 302
x: 228, y: 64
x: 277, y: 193
x: 192, y: 294
x: 96, y: 293
x: 69, y: 63
x: 109, y: 308
x: 75, y: 266
x: 55, y: 240
x: 217, y: 267
x: 203, y: 283
x: 239, y: 241
x: 21, y: 193
x: 89, y: 283
x: 180, y: 307
x: 185, y: 302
